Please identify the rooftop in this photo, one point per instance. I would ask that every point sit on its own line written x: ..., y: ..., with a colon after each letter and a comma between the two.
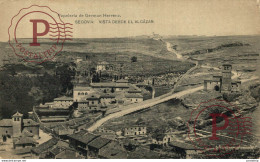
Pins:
x: 25, y: 140
x: 109, y: 85
x: 63, y: 98
x: 26, y: 123
x: 158, y: 137
x: 67, y: 154
x: 107, y: 95
x: 122, y: 81
x: 113, y: 151
x: 99, y: 142
x: 18, y: 114
x: 81, y: 88
x: 45, y: 146
x: 6, y: 123
x: 143, y: 153
x: 131, y: 95
x: 82, y: 137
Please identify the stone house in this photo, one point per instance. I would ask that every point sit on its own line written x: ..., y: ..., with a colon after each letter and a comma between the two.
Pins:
x: 80, y: 141
x: 17, y: 125
x: 133, y: 98
x: 96, y: 145
x: 223, y: 83
x: 62, y: 102
x: 161, y: 139
x: 136, y: 130
x: 80, y: 93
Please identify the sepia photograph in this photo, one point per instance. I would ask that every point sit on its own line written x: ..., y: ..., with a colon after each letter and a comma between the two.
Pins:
x: 129, y: 79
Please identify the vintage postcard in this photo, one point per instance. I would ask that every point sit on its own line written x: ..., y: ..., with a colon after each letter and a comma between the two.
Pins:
x: 129, y: 79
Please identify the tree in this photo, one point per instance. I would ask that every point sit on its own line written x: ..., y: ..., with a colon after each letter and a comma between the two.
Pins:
x: 134, y: 59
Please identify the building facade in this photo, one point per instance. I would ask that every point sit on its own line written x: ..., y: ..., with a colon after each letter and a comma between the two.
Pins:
x: 133, y: 131
x: 17, y: 125
x: 223, y: 83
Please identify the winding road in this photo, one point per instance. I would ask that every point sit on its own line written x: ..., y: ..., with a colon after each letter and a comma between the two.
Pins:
x: 157, y: 100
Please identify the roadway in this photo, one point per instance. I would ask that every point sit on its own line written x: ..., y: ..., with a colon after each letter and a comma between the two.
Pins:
x: 157, y: 100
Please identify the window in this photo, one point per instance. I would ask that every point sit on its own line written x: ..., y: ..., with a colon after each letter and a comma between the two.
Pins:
x: 30, y: 131
x: 14, y: 119
x: 6, y: 131
x: 93, y: 102
x: 79, y: 93
x: 86, y: 93
x: 17, y: 119
x: 82, y: 93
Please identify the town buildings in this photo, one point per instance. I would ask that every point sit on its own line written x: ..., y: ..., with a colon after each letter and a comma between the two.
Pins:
x: 135, y: 130
x: 16, y: 126
x: 103, y: 95
x: 223, y: 83
x: 63, y: 102
x: 161, y: 139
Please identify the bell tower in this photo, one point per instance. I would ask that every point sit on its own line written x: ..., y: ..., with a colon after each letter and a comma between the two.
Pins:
x: 226, y: 78
x: 17, y: 120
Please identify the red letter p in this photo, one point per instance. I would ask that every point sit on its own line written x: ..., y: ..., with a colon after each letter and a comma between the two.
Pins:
x: 214, y: 125
x: 35, y: 33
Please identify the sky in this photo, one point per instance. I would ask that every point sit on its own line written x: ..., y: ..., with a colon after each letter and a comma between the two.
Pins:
x: 170, y: 17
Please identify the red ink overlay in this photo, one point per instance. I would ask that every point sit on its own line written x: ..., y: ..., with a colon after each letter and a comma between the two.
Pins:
x: 37, y: 33
x: 216, y: 128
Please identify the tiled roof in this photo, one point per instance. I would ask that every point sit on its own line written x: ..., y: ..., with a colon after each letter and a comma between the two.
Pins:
x: 23, y: 151
x: 45, y: 146
x: 29, y: 123
x: 26, y: 133
x: 63, y: 98
x: 113, y: 150
x: 158, y: 137
x: 130, y: 95
x: 122, y: 81
x: 107, y: 95
x: 67, y: 154
x: 109, y: 85
x: 9, y: 123
x: 25, y: 140
x: 18, y: 114
x: 84, y: 138
x: 55, y: 151
x: 79, y: 88
x: 143, y: 153
x: 99, y: 142
x: 134, y: 89
x: 6, y: 123
x: 103, y: 85
x: 111, y: 153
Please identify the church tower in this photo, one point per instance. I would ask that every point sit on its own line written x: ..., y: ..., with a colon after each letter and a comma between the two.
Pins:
x: 226, y: 78
x: 17, y: 124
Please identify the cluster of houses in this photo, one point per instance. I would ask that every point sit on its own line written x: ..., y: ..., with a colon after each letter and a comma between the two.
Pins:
x: 96, y: 97
x: 68, y: 142
x: 84, y: 144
